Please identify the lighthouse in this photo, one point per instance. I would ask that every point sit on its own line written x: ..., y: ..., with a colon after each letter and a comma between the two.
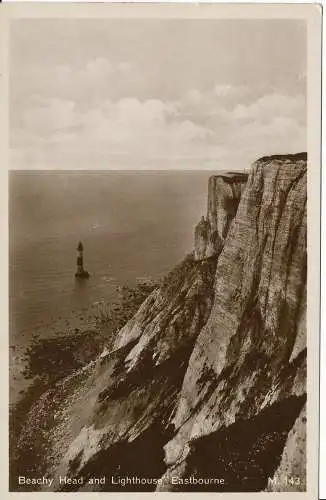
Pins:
x: 81, y: 273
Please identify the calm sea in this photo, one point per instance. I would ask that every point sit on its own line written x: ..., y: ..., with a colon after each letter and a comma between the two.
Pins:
x: 132, y: 225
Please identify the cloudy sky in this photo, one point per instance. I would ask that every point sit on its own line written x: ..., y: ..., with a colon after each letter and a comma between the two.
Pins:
x: 161, y: 94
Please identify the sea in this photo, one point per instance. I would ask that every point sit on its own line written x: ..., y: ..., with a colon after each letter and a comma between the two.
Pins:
x: 134, y: 226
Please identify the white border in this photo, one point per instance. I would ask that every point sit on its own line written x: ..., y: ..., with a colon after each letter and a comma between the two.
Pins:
x: 20, y: 9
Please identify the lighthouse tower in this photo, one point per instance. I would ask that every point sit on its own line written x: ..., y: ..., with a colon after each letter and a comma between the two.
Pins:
x: 81, y: 273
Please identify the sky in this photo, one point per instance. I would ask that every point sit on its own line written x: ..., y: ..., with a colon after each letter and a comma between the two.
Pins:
x: 155, y: 94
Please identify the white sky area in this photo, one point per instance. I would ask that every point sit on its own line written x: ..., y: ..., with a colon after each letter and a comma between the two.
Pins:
x: 158, y: 94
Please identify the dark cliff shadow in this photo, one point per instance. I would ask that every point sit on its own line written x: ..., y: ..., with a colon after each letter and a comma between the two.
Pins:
x: 142, y: 461
x: 244, y: 454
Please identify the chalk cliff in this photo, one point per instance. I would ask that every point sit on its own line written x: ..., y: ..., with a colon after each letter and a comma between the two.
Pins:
x: 208, y: 378
x: 247, y: 370
x: 224, y: 193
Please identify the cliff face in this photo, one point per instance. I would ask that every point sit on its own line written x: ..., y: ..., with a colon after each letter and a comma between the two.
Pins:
x: 224, y: 193
x: 208, y: 378
x: 248, y: 364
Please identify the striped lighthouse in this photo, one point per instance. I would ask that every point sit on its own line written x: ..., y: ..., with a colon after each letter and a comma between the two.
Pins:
x: 81, y: 273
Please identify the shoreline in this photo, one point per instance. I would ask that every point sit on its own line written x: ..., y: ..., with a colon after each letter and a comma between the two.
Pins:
x: 48, y: 359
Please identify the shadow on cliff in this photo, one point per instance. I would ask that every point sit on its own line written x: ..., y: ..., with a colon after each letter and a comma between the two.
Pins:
x: 142, y: 458
x: 244, y: 454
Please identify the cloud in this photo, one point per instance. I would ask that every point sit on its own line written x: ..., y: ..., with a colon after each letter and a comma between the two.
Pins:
x: 224, y: 127
x: 45, y: 115
x: 87, y: 85
x: 57, y: 130
x: 227, y: 91
x: 272, y: 105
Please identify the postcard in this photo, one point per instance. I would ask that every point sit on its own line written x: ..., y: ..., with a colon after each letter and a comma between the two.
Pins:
x: 161, y: 236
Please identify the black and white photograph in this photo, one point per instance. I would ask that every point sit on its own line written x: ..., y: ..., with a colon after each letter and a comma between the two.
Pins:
x: 159, y: 253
